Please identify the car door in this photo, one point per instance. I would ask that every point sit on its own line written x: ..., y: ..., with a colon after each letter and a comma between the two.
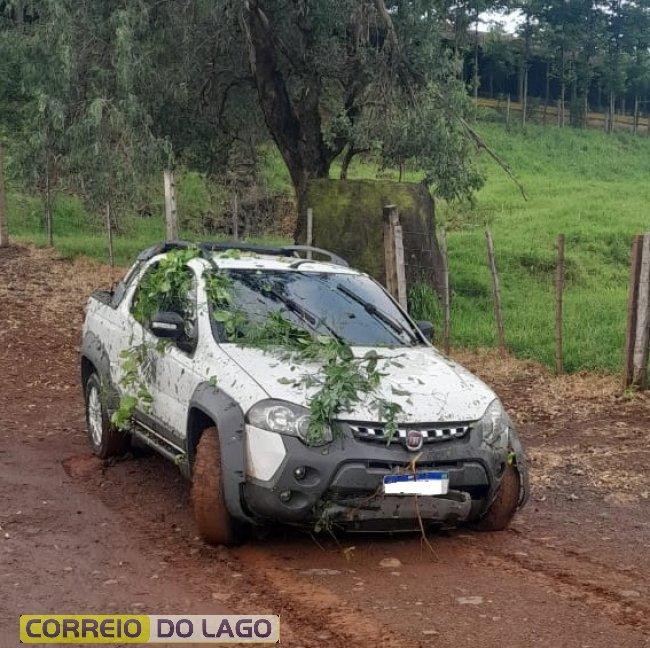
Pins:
x: 171, y: 374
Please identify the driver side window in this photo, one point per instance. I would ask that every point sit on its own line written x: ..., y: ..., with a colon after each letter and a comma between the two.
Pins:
x: 162, y: 292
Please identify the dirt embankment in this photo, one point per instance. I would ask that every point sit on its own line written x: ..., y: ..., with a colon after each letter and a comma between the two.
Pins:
x: 81, y: 535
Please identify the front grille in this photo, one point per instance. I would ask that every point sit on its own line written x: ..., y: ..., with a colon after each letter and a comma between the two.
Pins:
x: 431, y: 432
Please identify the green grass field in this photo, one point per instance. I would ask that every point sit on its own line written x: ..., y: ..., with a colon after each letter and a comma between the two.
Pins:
x: 590, y: 186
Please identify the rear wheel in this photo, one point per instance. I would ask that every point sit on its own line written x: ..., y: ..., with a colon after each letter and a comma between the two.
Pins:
x: 503, y: 508
x: 213, y: 520
x: 105, y: 439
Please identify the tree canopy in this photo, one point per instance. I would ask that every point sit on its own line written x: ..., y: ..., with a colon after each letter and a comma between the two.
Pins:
x: 102, y: 92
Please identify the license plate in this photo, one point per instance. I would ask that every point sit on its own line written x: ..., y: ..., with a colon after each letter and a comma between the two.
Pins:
x: 423, y: 483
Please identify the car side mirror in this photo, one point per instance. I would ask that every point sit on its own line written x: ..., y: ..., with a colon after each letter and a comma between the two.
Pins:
x: 167, y: 324
x: 426, y: 328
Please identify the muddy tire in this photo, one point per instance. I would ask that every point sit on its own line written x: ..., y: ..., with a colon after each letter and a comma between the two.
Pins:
x: 105, y: 439
x: 215, y: 524
x: 500, y: 513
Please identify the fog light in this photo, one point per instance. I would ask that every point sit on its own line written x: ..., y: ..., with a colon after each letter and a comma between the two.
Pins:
x: 285, y: 496
x: 299, y: 472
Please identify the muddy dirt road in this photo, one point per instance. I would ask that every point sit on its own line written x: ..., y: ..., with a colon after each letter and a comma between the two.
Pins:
x: 79, y: 535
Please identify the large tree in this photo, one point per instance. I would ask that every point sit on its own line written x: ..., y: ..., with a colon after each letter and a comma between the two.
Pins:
x: 332, y: 77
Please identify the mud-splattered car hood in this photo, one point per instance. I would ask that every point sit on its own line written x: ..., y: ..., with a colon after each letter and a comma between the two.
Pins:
x: 428, y: 387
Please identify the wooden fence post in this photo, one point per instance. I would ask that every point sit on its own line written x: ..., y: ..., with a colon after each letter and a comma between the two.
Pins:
x: 642, y: 342
x: 400, y: 267
x: 496, y: 290
x: 559, y: 295
x: 394, y: 255
x: 446, y: 299
x: 508, y: 113
x: 235, y: 217
x: 632, y: 304
x: 171, y: 215
x: 4, y: 236
x: 310, y: 230
x: 109, y: 232
x: 49, y: 226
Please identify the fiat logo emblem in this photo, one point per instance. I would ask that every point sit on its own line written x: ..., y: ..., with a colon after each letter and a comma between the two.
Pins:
x: 414, y: 440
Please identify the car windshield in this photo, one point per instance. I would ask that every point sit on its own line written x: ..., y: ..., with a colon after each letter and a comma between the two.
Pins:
x: 353, y: 308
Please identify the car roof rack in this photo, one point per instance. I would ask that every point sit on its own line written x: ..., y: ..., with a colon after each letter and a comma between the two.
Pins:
x: 205, y: 247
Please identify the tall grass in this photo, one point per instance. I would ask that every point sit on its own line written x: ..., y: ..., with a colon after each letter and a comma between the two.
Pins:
x: 592, y: 187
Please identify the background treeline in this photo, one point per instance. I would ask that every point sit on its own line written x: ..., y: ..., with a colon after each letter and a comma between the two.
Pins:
x: 97, y: 98
x: 581, y: 54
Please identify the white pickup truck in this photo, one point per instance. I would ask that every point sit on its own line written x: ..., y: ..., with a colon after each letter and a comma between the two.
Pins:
x: 236, y: 417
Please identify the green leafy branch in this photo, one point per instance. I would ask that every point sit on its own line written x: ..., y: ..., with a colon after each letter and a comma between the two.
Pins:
x: 343, y: 380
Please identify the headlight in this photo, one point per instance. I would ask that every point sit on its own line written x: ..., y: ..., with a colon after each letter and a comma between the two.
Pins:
x: 286, y: 418
x: 495, y: 424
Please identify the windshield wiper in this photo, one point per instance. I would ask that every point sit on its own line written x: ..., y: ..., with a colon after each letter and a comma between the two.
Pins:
x: 375, y: 312
x: 306, y: 315
x: 309, y: 318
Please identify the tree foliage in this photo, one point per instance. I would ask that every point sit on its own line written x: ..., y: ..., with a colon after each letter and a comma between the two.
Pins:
x: 111, y: 90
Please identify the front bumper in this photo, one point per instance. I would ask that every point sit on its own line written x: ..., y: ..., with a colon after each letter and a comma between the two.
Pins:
x: 342, y: 482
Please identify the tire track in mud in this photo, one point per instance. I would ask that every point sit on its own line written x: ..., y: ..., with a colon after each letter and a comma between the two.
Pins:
x: 249, y: 578
x: 606, y: 590
x: 310, y: 602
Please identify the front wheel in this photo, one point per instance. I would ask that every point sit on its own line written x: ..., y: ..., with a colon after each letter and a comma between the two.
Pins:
x: 504, y: 506
x: 105, y: 439
x: 215, y: 524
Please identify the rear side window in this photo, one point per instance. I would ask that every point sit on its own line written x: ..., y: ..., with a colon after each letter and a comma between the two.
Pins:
x: 122, y: 286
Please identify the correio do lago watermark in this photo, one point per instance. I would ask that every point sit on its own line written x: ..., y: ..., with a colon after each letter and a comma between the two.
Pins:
x: 147, y: 629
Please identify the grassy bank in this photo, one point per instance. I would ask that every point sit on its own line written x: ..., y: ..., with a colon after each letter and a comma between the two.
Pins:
x: 587, y: 185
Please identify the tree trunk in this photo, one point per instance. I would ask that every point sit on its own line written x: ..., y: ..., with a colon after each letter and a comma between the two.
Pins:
x: 350, y: 152
x: 4, y: 236
x: 547, y: 91
x: 19, y: 11
x: 612, y: 112
x: 524, y: 104
x: 562, y: 86
x: 109, y: 234
x: 295, y: 125
x: 575, y: 108
x: 48, y: 204
x: 476, y: 80
x: 524, y: 98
